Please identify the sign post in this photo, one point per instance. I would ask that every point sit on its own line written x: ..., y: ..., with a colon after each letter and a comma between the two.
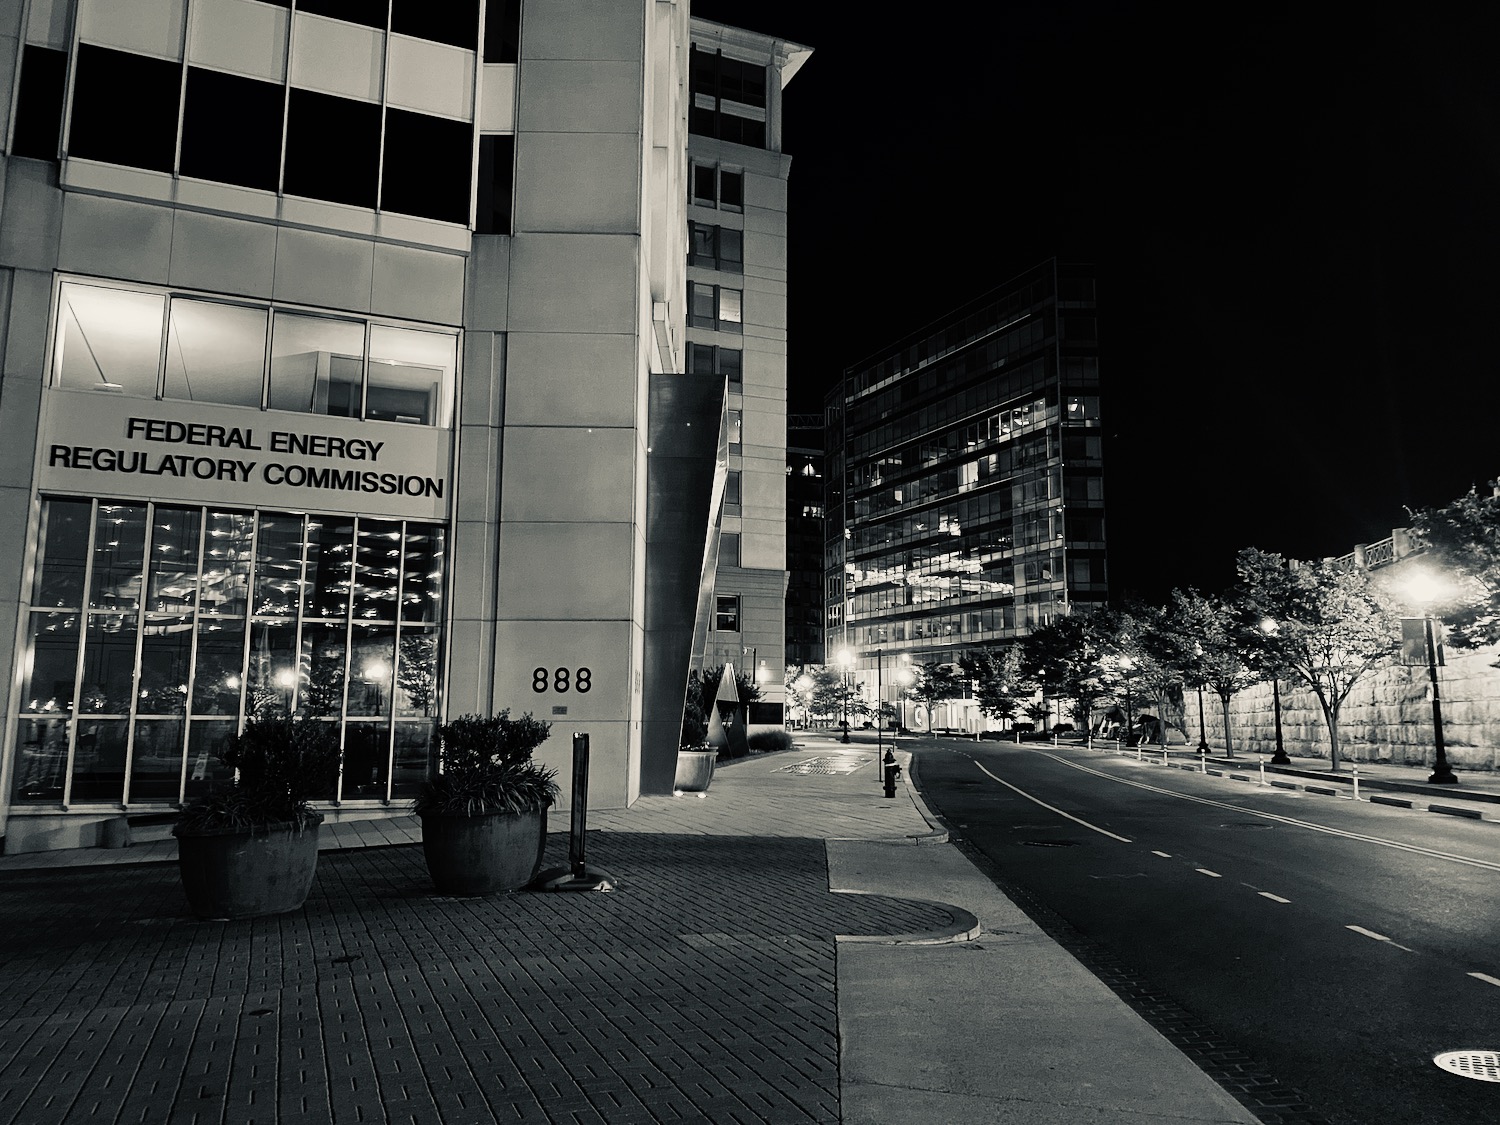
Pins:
x: 577, y: 876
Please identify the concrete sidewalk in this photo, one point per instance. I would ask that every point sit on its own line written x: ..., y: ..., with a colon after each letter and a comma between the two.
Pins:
x: 721, y: 982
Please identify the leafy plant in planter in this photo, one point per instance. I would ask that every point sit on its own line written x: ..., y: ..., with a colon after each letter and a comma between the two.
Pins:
x: 252, y: 848
x: 484, y: 813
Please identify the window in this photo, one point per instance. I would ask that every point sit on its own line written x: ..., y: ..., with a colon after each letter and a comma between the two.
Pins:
x: 354, y: 11
x: 124, y: 108
x: 195, y: 619
x: 728, y: 98
x: 332, y: 148
x: 455, y: 22
x: 713, y: 306
x: 231, y: 129
x: 39, y: 102
x: 727, y: 613
x: 706, y: 359
x: 426, y: 166
x: 317, y: 365
x: 732, y: 489
x: 729, y: 548
x: 713, y: 186
x: 502, y: 31
x: 496, y: 183
x: 215, y: 353
x: 716, y: 247
x: 108, y: 340
x: 411, y: 375
x: 734, y: 422
x: 1083, y: 408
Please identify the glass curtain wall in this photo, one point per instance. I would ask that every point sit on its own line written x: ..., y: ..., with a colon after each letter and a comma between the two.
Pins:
x: 155, y: 630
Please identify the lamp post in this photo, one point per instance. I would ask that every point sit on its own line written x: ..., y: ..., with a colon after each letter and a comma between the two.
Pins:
x: 879, y: 706
x: 1127, y: 665
x: 844, y: 660
x: 1271, y: 628
x: 1202, y: 727
x: 1424, y: 589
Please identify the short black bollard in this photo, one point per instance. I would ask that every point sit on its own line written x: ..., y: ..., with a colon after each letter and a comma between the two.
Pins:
x: 577, y: 876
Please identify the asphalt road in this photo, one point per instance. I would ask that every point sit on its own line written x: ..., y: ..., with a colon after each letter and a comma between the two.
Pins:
x: 1335, y: 943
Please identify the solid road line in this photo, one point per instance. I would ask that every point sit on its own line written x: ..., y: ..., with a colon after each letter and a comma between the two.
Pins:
x: 1293, y: 821
x: 1045, y: 805
x: 1486, y: 978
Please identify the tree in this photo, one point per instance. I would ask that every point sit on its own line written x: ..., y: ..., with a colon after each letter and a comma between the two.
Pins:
x: 1465, y: 538
x: 1332, y: 626
x: 1205, y: 639
x: 996, y: 676
x: 1066, y: 659
x: 834, y: 694
x: 937, y: 683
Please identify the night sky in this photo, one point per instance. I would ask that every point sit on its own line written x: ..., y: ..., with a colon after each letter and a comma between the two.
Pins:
x: 1296, y: 225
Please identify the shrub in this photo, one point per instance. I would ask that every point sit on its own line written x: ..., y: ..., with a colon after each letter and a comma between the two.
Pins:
x: 487, y: 767
x: 281, y: 763
x: 769, y: 741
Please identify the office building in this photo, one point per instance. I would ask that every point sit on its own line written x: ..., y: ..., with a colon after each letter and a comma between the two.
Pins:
x: 966, y: 486
x: 804, y: 540
x: 346, y: 373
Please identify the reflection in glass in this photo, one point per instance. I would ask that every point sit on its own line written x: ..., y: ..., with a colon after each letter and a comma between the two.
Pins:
x: 317, y: 365
x: 226, y: 562
x: 41, y: 759
x: 272, y: 675
x: 417, y: 673
x: 108, y: 340
x: 413, y: 754
x: 173, y: 579
x: 366, y: 752
x: 51, y: 663
x: 206, y: 738
x: 166, y: 649
x: 108, y: 664
x: 221, y: 655
x: 99, y: 760
x: 278, y: 565
x: 64, y: 554
x: 422, y: 574
x: 371, y: 660
x: 411, y: 375
x: 119, y: 554
x: 377, y: 570
x: 330, y: 559
x: 215, y: 352
x: 156, y: 760
x: 322, y: 690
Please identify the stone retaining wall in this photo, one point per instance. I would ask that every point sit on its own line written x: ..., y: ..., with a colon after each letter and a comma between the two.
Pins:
x: 1387, y: 717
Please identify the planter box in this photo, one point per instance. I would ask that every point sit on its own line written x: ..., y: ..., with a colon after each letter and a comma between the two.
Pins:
x: 695, y: 770
x: 485, y: 854
x: 238, y: 874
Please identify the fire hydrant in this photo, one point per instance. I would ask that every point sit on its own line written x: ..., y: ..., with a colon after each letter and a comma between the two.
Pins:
x: 892, y: 770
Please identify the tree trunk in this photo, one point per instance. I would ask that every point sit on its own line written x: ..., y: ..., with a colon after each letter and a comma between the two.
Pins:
x: 1331, y: 719
x: 1224, y: 710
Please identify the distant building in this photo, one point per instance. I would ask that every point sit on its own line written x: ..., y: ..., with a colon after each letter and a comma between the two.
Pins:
x: 804, y: 540
x: 966, y: 481
x: 736, y: 277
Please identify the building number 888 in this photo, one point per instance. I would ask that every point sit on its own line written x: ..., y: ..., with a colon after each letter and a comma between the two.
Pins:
x: 560, y: 679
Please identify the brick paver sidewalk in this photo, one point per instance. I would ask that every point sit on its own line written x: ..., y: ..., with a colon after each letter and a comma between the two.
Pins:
x: 701, y: 990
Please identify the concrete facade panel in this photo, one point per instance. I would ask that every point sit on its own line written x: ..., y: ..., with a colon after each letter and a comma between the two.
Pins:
x: 563, y: 571
x: 487, y: 301
x: 480, y: 390
x: 147, y: 27
x: 417, y: 284
x: 222, y: 255
x: 31, y: 215
x: 19, y: 407
x: 431, y: 78
x: 336, y: 57
x: 572, y: 282
x: 313, y: 268
x: 240, y: 36
x: 580, y: 96
x: 583, y: 378
x: 478, y: 473
x: 30, y: 308
x: 568, y: 475
x: 115, y: 238
x: 583, y: 29
x: 578, y: 182
x: 497, y: 98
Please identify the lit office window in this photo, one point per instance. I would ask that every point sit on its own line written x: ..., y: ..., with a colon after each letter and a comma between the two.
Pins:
x: 215, y: 352
x: 411, y: 375
x: 317, y: 365
x: 727, y: 613
x: 735, y: 424
x: 108, y: 339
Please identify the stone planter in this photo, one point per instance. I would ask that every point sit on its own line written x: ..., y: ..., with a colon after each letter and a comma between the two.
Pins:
x: 239, y: 874
x: 484, y: 854
x: 695, y: 770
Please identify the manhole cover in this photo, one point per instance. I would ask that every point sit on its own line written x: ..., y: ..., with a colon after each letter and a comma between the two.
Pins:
x: 1483, y: 1065
x: 1050, y: 843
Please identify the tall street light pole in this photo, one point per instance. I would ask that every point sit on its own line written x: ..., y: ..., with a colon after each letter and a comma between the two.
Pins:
x: 1202, y: 727
x: 1279, y: 758
x: 1442, y: 772
x: 879, y: 707
x: 844, y: 660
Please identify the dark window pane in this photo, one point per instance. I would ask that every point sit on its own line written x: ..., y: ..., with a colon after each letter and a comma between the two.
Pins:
x: 731, y: 364
x: 414, y: 744
x: 125, y: 108
x: 377, y: 571
x: 367, y: 756
x: 332, y: 148
x: 166, y: 649
x: 704, y: 122
x: 41, y: 758
x: 39, y: 102
x: 231, y: 129
x: 221, y: 660
x: 502, y: 31
x: 156, y: 760
x: 65, y: 542
x: 330, y: 561
x: 703, y: 185
x: 51, y: 663
x: 371, y: 13
x: 497, y: 161
x: 732, y: 190
x: 455, y: 22
x: 427, y: 166
x: 99, y: 760
x: 422, y: 573
x: 703, y: 72
x: 119, y: 556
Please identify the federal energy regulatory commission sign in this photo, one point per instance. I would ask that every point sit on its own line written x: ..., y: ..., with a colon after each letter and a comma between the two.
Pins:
x: 115, y: 446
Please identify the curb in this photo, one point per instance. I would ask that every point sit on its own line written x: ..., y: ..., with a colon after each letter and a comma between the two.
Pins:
x: 1472, y: 814
x: 965, y: 926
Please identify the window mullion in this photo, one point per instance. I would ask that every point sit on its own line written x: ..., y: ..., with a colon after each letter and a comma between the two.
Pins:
x: 83, y: 633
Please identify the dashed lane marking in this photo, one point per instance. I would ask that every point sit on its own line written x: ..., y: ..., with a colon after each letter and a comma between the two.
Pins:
x: 1206, y: 871
x: 1164, y: 855
x: 1050, y: 808
x: 1377, y: 937
x: 1486, y: 978
x: 1273, y: 898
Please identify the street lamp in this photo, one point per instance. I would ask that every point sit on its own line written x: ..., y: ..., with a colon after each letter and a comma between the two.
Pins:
x: 1271, y: 628
x: 1425, y: 588
x: 1202, y: 727
x: 804, y: 685
x: 1127, y: 665
x: 845, y: 659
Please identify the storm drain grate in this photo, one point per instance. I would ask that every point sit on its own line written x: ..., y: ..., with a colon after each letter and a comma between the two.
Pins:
x: 1483, y: 1065
x: 843, y: 763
